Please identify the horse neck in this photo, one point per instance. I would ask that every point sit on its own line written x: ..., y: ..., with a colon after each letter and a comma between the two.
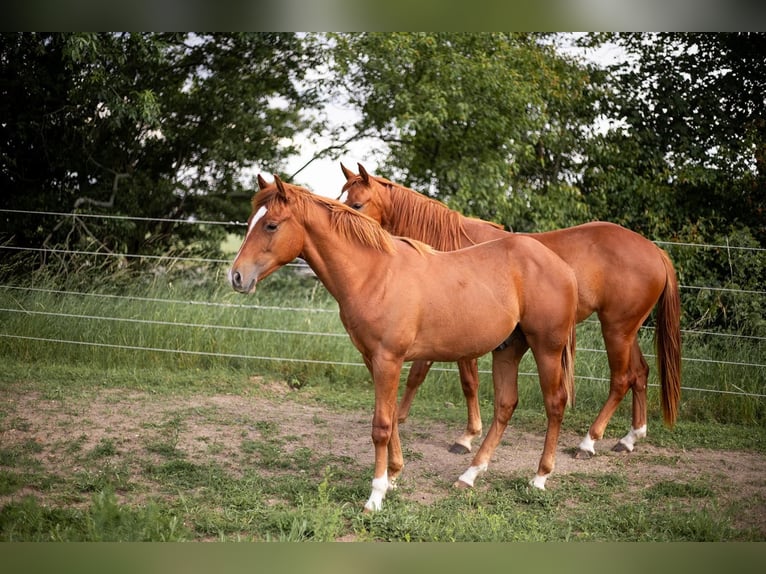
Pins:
x: 341, y: 264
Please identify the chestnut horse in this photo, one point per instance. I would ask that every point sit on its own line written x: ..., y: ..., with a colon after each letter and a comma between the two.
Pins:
x: 400, y: 300
x: 621, y: 276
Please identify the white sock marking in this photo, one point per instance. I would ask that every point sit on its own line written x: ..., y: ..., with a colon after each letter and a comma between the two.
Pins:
x: 588, y: 444
x: 469, y: 476
x: 380, y: 486
x: 629, y: 440
x: 539, y: 481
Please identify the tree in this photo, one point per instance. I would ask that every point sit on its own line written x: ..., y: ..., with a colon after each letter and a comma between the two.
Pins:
x: 695, y: 112
x: 490, y: 123
x: 155, y: 125
x: 687, y: 161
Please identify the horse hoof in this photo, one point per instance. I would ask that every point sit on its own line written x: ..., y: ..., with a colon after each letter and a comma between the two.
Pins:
x: 460, y: 485
x: 583, y: 454
x: 619, y: 447
x: 458, y: 448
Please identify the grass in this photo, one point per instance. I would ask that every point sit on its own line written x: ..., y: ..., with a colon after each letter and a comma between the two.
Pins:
x: 272, y: 488
x: 268, y: 487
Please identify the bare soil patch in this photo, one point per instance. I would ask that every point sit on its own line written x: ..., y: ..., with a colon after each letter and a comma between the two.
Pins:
x: 212, y: 428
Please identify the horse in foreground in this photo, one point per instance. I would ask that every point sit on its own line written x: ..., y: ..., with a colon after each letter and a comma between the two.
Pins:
x: 621, y: 276
x: 400, y: 300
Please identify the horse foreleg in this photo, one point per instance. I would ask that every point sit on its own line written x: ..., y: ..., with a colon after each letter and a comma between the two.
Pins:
x: 415, y: 378
x: 385, y: 431
x: 504, y: 370
x: 469, y: 381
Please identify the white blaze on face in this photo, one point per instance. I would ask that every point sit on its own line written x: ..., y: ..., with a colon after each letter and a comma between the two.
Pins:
x: 258, y: 216
x: 343, y: 197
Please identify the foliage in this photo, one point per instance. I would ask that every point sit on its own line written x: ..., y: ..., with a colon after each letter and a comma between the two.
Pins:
x: 684, y: 160
x: 142, y: 124
x: 694, y: 118
x: 490, y: 123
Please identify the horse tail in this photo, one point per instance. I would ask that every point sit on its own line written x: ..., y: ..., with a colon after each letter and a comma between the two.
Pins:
x: 667, y: 341
x: 567, y: 366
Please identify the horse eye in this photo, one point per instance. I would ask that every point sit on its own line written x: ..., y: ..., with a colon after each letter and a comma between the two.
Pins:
x: 271, y: 226
x: 357, y: 206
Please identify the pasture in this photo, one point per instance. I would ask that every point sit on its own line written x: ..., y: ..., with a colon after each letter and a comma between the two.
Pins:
x: 163, y: 406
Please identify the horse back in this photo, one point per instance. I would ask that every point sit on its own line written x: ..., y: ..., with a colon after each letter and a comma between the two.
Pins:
x: 615, y: 267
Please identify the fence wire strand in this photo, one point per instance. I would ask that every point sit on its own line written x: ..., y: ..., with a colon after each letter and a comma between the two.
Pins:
x: 216, y: 261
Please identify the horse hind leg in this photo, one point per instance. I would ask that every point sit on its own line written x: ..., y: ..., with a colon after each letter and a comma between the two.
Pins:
x: 415, y: 378
x: 504, y: 379
x: 555, y: 398
x: 639, y: 379
x: 619, y: 355
x: 469, y: 381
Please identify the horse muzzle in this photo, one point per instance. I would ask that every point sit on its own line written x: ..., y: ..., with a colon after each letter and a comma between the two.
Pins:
x: 242, y: 283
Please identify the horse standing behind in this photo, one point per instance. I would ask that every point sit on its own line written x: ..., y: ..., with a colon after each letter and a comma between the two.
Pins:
x: 400, y: 300
x: 621, y: 276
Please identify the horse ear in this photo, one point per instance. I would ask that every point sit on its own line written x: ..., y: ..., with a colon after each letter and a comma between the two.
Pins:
x: 280, y: 188
x: 363, y: 173
x: 262, y: 182
x: 347, y: 172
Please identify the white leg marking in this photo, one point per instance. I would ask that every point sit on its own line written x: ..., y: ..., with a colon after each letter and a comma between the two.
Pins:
x: 539, y: 481
x: 588, y: 444
x: 380, y: 486
x: 629, y: 440
x: 469, y: 476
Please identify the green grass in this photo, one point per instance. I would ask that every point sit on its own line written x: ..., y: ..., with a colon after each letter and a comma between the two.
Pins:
x: 271, y: 488
x: 275, y: 490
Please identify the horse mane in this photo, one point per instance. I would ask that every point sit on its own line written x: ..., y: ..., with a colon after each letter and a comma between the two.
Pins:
x: 426, y: 219
x: 347, y: 222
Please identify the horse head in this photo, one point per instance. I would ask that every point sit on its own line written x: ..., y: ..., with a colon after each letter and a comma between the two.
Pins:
x: 364, y: 193
x: 274, y: 236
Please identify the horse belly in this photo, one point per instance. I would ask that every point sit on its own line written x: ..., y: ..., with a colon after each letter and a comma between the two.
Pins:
x: 462, y: 331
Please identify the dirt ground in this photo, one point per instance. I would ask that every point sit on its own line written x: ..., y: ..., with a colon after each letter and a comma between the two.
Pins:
x: 131, y: 417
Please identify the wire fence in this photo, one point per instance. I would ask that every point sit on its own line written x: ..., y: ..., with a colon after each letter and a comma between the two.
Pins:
x: 757, y: 362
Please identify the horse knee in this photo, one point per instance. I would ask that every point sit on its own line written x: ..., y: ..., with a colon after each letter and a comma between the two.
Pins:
x: 381, y: 433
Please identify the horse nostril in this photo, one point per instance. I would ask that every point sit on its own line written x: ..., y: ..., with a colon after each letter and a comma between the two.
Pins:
x: 236, y: 279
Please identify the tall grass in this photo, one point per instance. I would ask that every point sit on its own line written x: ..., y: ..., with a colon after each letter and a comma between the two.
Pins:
x: 149, y: 325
